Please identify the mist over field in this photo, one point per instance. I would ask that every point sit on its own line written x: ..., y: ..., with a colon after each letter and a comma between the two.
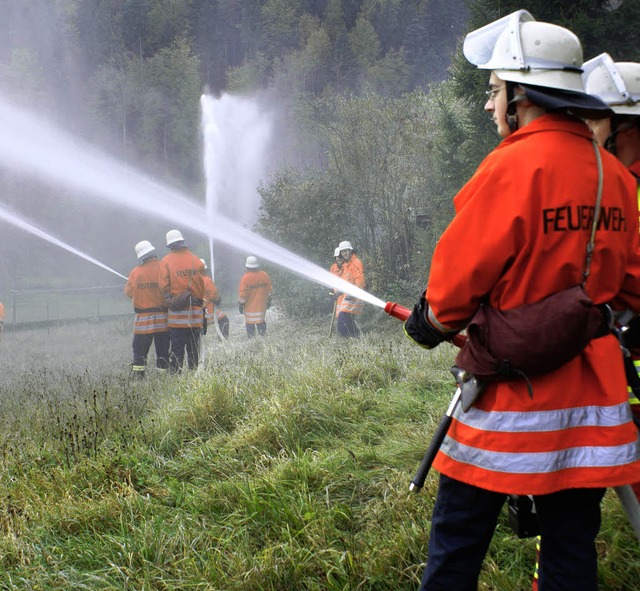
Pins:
x: 283, y: 463
x: 276, y: 128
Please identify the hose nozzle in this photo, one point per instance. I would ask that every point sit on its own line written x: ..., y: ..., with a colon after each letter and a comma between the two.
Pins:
x: 397, y: 311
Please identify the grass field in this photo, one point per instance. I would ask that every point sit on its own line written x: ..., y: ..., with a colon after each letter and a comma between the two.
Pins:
x: 283, y: 463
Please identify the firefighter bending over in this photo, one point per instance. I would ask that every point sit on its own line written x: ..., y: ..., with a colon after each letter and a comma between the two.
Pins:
x: 212, y: 304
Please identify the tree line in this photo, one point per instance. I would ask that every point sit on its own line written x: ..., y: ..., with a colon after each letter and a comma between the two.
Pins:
x: 386, y: 113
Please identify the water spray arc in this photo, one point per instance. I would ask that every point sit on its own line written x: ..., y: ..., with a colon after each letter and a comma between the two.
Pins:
x: 21, y: 223
x: 236, y: 136
x: 35, y: 147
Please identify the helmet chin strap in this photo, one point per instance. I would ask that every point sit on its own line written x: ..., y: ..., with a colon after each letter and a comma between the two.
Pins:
x: 512, y: 110
x: 610, y: 144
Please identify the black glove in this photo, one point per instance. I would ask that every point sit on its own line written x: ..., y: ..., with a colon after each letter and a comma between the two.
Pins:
x: 241, y: 308
x: 631, y: 335
x: 350, y: 299
x: 417, y: 327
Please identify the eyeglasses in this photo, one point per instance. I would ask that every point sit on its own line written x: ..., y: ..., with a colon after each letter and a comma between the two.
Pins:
x: 493, y: 92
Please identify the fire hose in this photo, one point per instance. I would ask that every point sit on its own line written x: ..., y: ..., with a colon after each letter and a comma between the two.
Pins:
x: 625, y: 493
x: 417, y: 482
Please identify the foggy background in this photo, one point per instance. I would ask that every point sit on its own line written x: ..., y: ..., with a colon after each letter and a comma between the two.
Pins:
x: 127, y: 76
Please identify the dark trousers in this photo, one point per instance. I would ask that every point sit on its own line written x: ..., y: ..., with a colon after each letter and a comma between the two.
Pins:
x: 223, y: 324
x: 184, y: 340
x: 261, y: 329
x: 347, y: 326
x: 142, y: 345
x: 463, y: 522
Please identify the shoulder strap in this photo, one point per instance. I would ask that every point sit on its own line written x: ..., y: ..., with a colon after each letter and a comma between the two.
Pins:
x: 596, y: 216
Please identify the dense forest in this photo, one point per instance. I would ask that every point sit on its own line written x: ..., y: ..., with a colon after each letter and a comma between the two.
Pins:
x: 379, y: 120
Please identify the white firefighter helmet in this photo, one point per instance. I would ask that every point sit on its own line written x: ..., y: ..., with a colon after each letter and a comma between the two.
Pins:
x: 336, y: 252
x: 345, y: 245
x: 204, y: 263
x: 144, y: 248
x: 520, y: 49
x: 615, y: 83
x: 174, y: 236
x: 251, y: 263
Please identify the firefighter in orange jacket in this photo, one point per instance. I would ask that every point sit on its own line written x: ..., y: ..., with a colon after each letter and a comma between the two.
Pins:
x: 150, y: 325
x: 618, y: 85
x: 519, y: 235
x: 212, y: 304
x: 349, y: 307
x: 181, y: 274
x: 254, y: 297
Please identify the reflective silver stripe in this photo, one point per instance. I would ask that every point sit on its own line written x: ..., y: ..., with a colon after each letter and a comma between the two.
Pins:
x: 254, y: 316
x: 146, y: 323
x: 149, y: 328
x: 191, y: 318
x: 545, y: 420
x: 442, y: 327
x: 184, y: 323
x: 542, y: 462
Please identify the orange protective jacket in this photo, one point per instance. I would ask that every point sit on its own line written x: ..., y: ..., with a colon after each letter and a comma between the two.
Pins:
x: 520, y: 234
x: 353, y: 272
x: 181, y: 270
x: 148, y: 302
x: 254, y: 293
x: 1, y: 312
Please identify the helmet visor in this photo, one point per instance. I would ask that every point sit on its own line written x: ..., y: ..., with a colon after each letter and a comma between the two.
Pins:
x: 603, y: 78
x: 479, y: 44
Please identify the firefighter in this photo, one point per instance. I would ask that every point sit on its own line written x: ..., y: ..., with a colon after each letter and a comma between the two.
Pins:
x: 212, y: 303
x: 618, y: 85
x: 520, y: 234
x: 349, y: 307
x: 182, y: 284
x: 254, y: 297
x: 150, y: 324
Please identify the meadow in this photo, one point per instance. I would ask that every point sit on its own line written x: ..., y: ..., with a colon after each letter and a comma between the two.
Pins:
x: 282, y: 463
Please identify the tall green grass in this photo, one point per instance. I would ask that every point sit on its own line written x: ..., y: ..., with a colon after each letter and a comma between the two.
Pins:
x: 283, y: 463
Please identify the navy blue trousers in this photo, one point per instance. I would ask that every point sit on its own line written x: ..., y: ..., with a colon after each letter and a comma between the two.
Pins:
x: 347, y: 326
x: 465, y: 517
x: 142, y: 345
x: 261, y: 329
x: 184, y: 340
